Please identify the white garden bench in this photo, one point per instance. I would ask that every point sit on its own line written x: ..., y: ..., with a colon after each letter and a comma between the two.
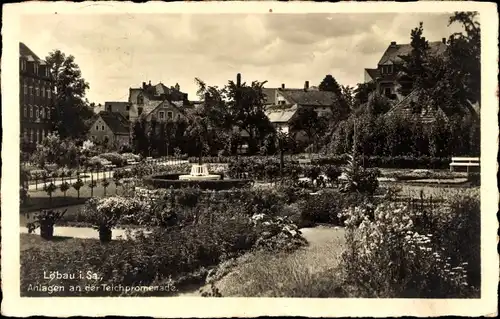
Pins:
x: 467, y: 162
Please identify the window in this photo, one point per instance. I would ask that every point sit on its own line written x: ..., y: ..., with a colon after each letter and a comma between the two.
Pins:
x: 42, y: 112
x: 37, y: 136
x: 140, y: 99
x: 43, y: 134
x: 48, y: 93
x: 162, y: 115
x: 102, y: 127
x: 97, y: 127
x: 25, y: 133
x: 282, y: 102
x: 25, y: 89
x: 170, y: 115
x: 35, y: 68
x: 31, y: 111
x: 37, y: 90
x: 31, y: 90
x: 37, y: 114
x: 178, y: 117
x: 48, y: 113
x: 43, y: 92
x: 387, y: 92
x: 31, y: 135
x: 25, y: 111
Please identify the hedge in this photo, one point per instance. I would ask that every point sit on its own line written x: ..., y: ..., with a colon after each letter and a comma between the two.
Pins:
x: 172, y: 181
x: 409, y: 162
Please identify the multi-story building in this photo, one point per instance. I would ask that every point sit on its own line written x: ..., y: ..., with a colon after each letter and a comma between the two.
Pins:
x: 156, y: 101
x: 386, y: 75
x: 36, y: 96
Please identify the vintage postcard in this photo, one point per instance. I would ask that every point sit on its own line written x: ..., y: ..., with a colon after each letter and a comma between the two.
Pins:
x: 249, y: 159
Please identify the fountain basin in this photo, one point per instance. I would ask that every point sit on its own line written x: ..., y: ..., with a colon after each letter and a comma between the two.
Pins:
x: 199, y: 173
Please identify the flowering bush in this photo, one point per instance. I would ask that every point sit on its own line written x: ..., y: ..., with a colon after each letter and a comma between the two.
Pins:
x: 386, y: 256
x: 114, y: 158
x: 277, y: 233
x: 108, y: 212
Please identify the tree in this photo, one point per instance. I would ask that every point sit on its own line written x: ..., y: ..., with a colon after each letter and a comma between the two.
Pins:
x: 343, y: 94
x: 331, y: 85
x: 92, y: 184
x: 450, y: 81
x: 73, y: 113
x: 245, y: 104
x: 77, y: 185
x: 362, y: 93
x: 64, y: 187
x: 50, y: 189
x: 308, y: 121
x: 105, y: 183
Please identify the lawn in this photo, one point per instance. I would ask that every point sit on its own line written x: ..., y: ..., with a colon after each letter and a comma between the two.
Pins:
x: 308, y: 272
x: 30, y: 241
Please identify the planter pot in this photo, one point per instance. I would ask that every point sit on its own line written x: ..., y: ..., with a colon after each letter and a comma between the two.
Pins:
x: 47, y: 231
x: 105, y: 234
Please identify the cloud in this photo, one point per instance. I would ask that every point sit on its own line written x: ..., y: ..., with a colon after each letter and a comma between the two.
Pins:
x: 118, y: 51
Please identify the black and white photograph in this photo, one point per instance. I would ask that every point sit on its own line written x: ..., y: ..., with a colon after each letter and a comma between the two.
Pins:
x: 338, y: 153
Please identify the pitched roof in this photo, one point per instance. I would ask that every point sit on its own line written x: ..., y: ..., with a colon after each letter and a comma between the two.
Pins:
x: 26, y: 52
x: 394, y: 51
x: 269, y: 95
x: 308, y: 97
x: 373, y: 73
x: 116, y: 122
x: 281, y: 113
x: 405, y: 108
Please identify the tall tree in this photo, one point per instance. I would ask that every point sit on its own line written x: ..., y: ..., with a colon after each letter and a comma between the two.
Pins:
x: 330, y: 84
x: 344, y: 95
x: 246, y: 109
x: 73, y: 112
x: 308, y: 121
x: 450, y: 81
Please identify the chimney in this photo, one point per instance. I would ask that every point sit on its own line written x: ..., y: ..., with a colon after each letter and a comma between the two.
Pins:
x: 149, y: 82
x: 238, y: 80
x: 443, y: 40
x: 143, y: 85
x: 393, y: 43
x: 306, y: 85
x: 423, y: 38
x: 283, y: 85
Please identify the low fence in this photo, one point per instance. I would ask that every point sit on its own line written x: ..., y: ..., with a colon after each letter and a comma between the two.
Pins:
x: 38, y: 178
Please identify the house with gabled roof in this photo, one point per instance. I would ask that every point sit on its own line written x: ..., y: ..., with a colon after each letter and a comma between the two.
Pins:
x: 111, y: 128
x: 147, y: 98
x: 386, y: 75
x: 323, y: 102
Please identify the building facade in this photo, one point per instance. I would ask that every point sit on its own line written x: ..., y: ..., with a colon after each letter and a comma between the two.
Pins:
x: 36, y: 96
x: 387, y: 77
x: 111, y: 129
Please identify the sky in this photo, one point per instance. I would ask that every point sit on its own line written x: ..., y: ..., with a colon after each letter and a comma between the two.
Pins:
x: 119, y: 51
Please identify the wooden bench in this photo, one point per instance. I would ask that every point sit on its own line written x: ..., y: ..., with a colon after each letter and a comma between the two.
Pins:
x: 467, y: 162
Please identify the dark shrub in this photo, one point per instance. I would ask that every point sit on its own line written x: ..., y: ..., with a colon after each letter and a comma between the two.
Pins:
x: 324, y: 207
x: 166, y: 181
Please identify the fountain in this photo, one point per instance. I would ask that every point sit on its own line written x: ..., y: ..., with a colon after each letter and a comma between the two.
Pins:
x: 199, y: 172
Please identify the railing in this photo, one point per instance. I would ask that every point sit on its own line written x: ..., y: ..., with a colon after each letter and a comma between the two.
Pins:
x: 89, y: 174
